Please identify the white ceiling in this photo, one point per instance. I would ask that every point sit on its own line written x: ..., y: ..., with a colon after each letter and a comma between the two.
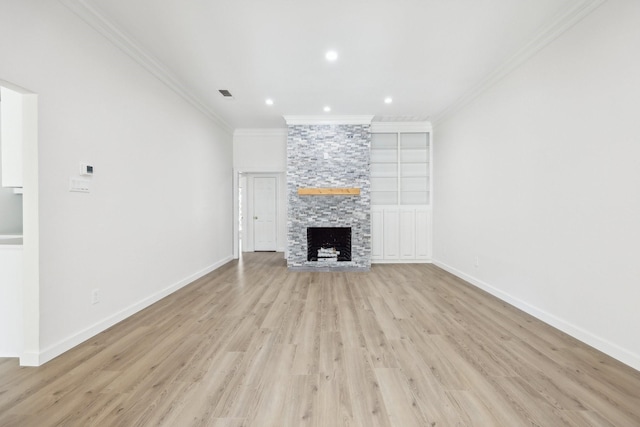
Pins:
x: 428, y: 55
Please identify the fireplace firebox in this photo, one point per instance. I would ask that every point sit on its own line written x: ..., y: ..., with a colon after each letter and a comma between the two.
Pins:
x: 329, y: 244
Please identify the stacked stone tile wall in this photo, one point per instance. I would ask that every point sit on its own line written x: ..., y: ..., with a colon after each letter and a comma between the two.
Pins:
x: 328, y: 156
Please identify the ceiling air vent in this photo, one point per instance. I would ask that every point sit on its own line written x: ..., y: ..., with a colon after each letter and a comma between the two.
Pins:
x: 225, y: 93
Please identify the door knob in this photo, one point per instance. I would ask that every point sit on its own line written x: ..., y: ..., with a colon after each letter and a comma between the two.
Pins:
x: 255, y: 217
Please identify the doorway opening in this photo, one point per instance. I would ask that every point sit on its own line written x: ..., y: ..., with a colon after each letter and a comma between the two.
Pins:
x: 23, y: 338
x: 260, y: 212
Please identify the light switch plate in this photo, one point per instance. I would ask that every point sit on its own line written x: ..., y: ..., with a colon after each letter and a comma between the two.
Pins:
x: 78, y: 185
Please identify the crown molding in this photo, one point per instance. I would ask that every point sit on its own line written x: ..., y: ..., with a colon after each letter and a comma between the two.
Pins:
x: 261, y: 132
x: 562, y: 22
x: 393, y: 127
x: 99, y: 22
x: 328, y: 120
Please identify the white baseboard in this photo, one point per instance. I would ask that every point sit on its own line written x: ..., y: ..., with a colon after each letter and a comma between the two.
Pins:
x: 55, y: 350
x: 30, y: 359
x: 400, y: 261
x: 623, y: 355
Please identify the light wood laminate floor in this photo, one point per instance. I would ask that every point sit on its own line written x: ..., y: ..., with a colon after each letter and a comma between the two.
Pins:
x: 252, y: 344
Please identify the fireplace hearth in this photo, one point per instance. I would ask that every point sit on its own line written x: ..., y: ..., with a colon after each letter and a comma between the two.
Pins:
x: 329, y: 244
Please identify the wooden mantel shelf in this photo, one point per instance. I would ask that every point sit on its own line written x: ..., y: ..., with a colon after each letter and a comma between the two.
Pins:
x: 328, y: 191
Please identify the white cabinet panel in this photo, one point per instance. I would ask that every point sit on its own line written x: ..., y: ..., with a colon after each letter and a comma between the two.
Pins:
x: 391, y: 245
x: 423, y: 235
x: 377, y: 233
x: 407, y: 234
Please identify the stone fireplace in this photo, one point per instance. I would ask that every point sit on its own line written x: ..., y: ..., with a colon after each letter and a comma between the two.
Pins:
x: 328, y: 158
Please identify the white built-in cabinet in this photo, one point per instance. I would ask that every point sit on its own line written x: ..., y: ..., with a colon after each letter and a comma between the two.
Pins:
x: 401, y: 192
x: 400, y: 234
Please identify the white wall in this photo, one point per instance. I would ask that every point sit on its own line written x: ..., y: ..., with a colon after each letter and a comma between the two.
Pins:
x: 10, y: 300
x: 260, y: 151
x: 10, y: 207
x: 159, y: 211
x: 539, y: 178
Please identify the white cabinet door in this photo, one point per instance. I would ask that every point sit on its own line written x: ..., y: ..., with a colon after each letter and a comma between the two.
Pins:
x: 391, y: 234
x: 423, y: 235
x: 407, y: 234
x: 377, y: 233
x: 401, y: 234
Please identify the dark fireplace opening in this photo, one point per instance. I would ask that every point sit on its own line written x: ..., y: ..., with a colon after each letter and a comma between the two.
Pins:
x: 329, y: 244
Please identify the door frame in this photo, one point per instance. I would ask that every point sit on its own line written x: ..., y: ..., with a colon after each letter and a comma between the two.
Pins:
x: 31, y: 354
x: 281, y: 208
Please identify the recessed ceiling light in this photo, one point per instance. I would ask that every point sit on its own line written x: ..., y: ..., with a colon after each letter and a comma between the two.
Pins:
x: 388, y: 100
x: 327, y: 109
x: 269, y: 101
x: 332, y: 55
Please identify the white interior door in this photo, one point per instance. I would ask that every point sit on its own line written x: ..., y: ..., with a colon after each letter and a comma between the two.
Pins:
x: 264, y: 213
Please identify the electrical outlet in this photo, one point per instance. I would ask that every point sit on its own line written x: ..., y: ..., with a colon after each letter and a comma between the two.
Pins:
x: 95, y: 296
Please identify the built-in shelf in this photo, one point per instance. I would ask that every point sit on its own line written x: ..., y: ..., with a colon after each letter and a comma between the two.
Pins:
x: 328, y: 191
x: 400, y: 168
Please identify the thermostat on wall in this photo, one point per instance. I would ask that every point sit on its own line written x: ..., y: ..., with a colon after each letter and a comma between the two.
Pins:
x: 86, y: 169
